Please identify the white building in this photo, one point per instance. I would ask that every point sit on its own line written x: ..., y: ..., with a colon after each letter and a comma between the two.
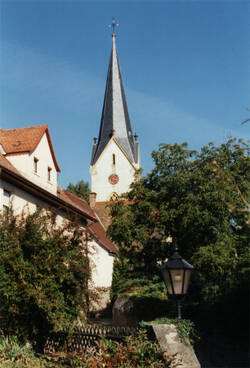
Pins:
x: 28, y: 178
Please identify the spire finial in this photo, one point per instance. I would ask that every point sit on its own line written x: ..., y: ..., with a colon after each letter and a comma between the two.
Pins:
x: 113, y: 25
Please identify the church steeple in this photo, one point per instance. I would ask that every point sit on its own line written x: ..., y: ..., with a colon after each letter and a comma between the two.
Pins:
x: 115, y: 122
x: 115, y: 153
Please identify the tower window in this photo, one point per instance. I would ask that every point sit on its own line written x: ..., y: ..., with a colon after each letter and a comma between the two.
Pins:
x: 113, y: 159
x: 35, y: 163
x: 49, y: 173
x: 113, y: 197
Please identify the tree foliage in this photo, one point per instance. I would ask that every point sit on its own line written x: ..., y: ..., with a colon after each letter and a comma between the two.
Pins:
x: 81, y: 189
x: 44, y: 273
x: 200, y: 199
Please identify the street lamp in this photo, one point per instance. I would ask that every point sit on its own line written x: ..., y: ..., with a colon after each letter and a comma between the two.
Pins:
x: 176, y: 275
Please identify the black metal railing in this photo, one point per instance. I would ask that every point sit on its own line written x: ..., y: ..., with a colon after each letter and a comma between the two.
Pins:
x: 85, y: 336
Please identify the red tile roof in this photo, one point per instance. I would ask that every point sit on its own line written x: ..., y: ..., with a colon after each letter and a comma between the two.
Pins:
x: 103, y: 212
x: 77, y: 202
x: 25, y: 140
x: 95, y: 228
x: 99, y: 233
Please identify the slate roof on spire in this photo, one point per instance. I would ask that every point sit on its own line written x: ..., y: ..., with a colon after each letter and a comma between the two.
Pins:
x: 115, y: 120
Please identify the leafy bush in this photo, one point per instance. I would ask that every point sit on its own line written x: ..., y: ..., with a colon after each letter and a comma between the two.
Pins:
x: 44, y: 273
x: 12, y: 354
x: 135, y: 351
x: 200, y: 199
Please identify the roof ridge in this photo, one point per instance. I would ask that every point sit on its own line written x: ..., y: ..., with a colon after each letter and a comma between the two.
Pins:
x: 28, y: 127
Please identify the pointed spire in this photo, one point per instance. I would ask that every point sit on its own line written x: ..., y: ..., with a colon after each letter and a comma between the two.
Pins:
x: 115, y: 120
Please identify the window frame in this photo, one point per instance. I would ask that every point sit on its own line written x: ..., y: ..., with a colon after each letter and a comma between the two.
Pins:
x: 35, y: 165
x: 49, y: 174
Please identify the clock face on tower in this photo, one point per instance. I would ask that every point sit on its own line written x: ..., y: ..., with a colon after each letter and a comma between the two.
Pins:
x: 113, y: 179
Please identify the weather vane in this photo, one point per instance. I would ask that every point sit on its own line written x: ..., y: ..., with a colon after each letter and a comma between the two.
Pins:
x: 113, y: 25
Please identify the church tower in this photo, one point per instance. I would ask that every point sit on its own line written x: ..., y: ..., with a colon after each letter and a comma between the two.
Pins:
x: 115, y: 154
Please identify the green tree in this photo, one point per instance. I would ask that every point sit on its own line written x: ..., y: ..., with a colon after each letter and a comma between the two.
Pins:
x: 200, y: 200
x: 44, y: 273
x: 81, y: 189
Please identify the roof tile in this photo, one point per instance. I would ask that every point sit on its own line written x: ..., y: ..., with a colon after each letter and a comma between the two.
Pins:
x: 95, y: 228
x: 25, y: 140
x: 100, y: 234
x: 22, y: 139
x: 75, y: 201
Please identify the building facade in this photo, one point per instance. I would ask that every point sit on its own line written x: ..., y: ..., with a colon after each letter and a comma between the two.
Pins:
x: 28, y: 180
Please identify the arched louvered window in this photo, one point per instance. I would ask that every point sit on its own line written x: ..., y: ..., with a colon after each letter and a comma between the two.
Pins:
x: 113, y: 197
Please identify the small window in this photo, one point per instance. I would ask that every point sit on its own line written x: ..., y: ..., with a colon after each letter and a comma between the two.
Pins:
x: 35, y: 164
x: 6, y: 202
x: 49, y: 173
x: 113, y: 158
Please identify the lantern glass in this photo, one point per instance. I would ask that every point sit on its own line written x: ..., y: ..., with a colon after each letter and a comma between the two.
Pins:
x: 177, y: 280
x: 167, y: 281
x: 186, y: 281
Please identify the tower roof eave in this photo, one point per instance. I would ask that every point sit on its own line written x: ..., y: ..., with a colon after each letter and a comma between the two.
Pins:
x: 113, y: 139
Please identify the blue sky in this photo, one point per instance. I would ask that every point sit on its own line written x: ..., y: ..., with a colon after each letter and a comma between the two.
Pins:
x: 185, y: 67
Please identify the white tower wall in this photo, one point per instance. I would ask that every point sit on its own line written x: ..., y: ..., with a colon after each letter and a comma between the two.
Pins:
x: 105, y: 167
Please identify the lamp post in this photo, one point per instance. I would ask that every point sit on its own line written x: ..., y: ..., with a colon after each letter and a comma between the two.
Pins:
x: 176, y: 275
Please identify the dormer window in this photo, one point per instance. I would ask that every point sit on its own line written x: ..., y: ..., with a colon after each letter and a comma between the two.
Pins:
x: 113, y: 159
x: 35, y: 165
x: 49, y: 173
